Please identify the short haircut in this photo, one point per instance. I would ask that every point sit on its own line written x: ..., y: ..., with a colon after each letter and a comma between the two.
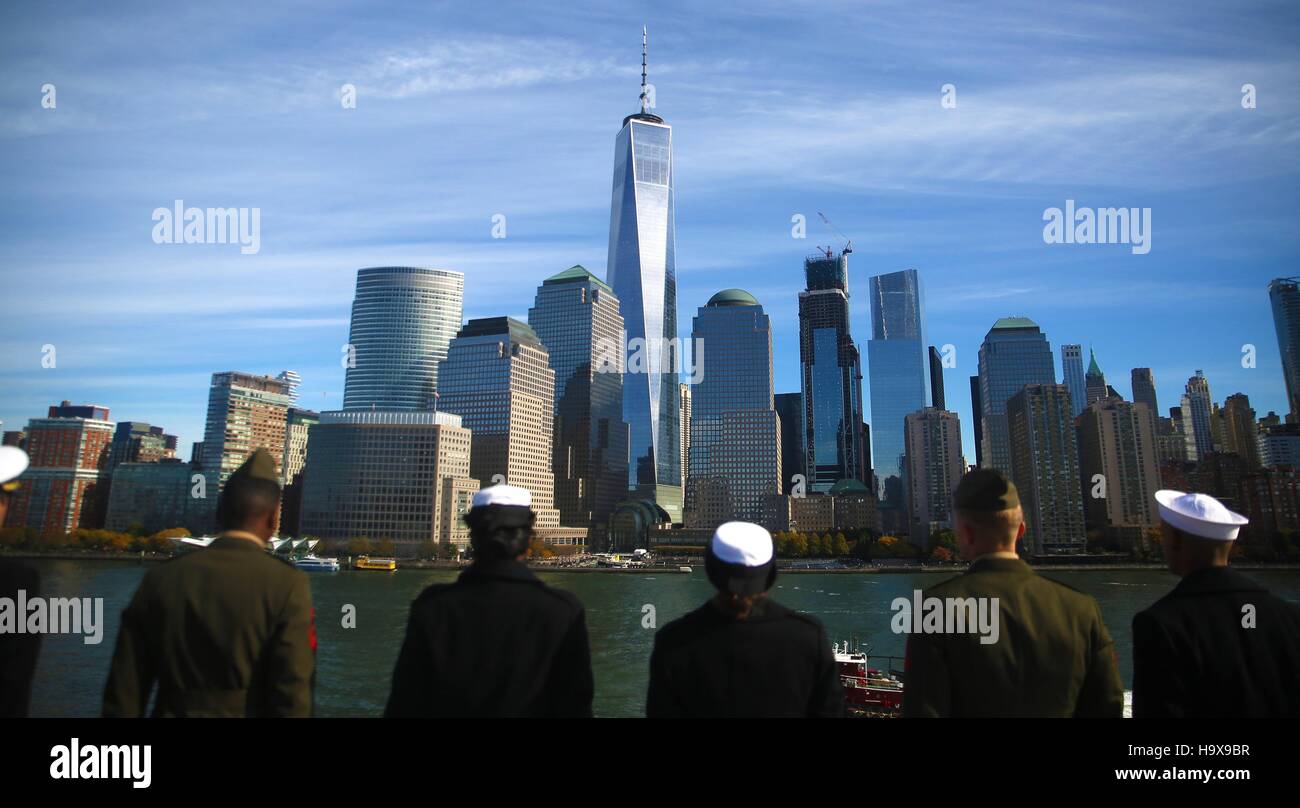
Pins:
x: 245, y: 500
x: 1000, y: 526
x: 497, y: 532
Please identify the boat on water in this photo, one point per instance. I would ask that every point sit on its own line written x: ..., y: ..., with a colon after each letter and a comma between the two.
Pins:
x: 376, y: 564
x: 867, y: 691
x: 314, y: 563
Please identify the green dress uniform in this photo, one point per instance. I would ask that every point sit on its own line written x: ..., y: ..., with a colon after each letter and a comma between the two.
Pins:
x: 223, y: 631
x: 1053, y: 656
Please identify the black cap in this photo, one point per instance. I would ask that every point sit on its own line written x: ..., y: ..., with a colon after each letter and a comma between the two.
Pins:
x: 985, y: 490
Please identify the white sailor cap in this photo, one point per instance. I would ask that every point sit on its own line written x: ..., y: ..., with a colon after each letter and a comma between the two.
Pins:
x: 13, y: 462
x: 742, y: 543
x: 503, y: 495
x: 1199, y: 514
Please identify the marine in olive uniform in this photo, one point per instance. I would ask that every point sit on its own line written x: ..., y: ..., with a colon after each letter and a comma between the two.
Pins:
x: 497, y: 642
x: 742, y: 654
x: 1219, y: 645
x: 222, y: 631
x: 1052, y: 655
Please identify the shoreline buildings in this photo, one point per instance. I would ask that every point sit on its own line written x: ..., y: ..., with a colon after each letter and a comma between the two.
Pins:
x: 831, y: 371
x: 643, y: 274
x: 576, y: 316
x: 735, y: 460
x: 65, y: 485
x: 897, y: 356
x: 497, y: 377
x: 403, y: 319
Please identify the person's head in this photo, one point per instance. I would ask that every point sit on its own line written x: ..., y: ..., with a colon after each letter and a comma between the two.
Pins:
x: 1196, y: 531
x: 740, y: 562
x: 986, y: 514
x: 250, y: 502
x: 13, y: 462
x: 500, y: 522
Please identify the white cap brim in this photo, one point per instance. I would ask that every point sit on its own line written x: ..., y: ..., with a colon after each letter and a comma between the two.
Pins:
x: 503, y: 495
x: 1179, y: 510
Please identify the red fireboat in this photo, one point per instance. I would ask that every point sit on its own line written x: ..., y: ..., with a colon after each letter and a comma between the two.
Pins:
x: 868, y: 692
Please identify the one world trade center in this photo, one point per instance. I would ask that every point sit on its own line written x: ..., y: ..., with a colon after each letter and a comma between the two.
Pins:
x: 642, y: 241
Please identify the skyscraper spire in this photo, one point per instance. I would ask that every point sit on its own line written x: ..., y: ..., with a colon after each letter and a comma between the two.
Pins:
x: 644, y: 34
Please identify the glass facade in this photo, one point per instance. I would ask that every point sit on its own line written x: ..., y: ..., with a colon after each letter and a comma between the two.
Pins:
x: 1284, y: 295
x: 642, y: 272
x: 1014, y: 353
x: 735, y: 457
x: 1073, y: 378
x: 403, y: 319
x: 897, y: 359
x: 831, y: 369
x: 576, y: 316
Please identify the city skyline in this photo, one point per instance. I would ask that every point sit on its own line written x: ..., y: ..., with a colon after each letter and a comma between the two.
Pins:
x: 141, y: 327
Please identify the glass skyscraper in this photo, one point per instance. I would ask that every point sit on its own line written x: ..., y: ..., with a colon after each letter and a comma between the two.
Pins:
x: 1014, y: 353
x: 403, y: 319
x: 897, y: 359
x: 1284, y: 295
x: 1073, y: 377
x: 575, y: 315
x: 642, y: 272
x: 735, y: 434
x: 831, y: 366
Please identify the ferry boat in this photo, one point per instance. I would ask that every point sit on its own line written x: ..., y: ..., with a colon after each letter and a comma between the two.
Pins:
x: 314, y: 563
x: 867, y: 691
x: 378, y: 564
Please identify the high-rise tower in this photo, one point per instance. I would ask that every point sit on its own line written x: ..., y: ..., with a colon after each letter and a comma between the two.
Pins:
x: 403, y: 319
x: 642, y: 272
x: 897, y: 363
x: 833, y: 441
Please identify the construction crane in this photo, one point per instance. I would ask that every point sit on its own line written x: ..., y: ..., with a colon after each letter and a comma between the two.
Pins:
x: 848, y: 244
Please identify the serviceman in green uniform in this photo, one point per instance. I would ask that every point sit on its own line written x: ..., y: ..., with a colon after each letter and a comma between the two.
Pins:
x: 1050, y: 654
x: 222, y: 631
x: 1219, y: 645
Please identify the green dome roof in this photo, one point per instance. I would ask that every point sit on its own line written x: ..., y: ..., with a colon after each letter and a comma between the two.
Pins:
x: 848, y: 486
x: 733, y: 297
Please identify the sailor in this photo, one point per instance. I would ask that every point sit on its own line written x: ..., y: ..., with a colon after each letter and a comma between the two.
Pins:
x: 742, y: 654
x: 497, y: 642
x: 17, y: 651
x: 222, y: 631
x: 1218, y: 645
x: 1047, y: 652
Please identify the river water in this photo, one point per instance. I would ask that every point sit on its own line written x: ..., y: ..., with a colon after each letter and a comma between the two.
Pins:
x: 355, y: 664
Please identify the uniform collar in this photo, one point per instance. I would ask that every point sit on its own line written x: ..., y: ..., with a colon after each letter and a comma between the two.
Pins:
x: 1216, y: 579
x: 999, y: 563
x: 238, y: 539
x: 506, y: 568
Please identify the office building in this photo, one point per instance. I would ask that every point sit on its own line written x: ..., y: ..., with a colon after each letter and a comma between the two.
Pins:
x: 1045, y: 468
x: 1014, y: 353
x: 65, y: 484
x: 934, y: 467
x: 897, y: 361
x: 1073, y: 377
x: 1119, y: 463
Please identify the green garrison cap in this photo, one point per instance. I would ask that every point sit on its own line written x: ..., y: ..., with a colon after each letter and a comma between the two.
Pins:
x: 985, y: 490
x: 258, y: 466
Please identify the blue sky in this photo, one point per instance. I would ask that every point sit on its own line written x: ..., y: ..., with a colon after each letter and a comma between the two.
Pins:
x: 469, y: 110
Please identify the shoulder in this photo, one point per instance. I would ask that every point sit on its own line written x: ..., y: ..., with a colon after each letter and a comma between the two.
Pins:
x: 1068, y: 595
x: 684, y: 628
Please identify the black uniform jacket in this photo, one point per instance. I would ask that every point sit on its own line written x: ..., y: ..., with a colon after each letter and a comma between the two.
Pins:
x: 18, y: 652
x: 775, y: 663
x: 1218, y: 645
x: 223, y: 631
x: 496, y: 643
x: 1053, y: 656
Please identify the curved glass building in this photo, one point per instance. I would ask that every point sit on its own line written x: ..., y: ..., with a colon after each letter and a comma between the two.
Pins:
x: 642, y: 272
x: 403, y: 319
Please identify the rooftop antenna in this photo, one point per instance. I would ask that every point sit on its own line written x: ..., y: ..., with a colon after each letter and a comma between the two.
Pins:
x: 643, y: 50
